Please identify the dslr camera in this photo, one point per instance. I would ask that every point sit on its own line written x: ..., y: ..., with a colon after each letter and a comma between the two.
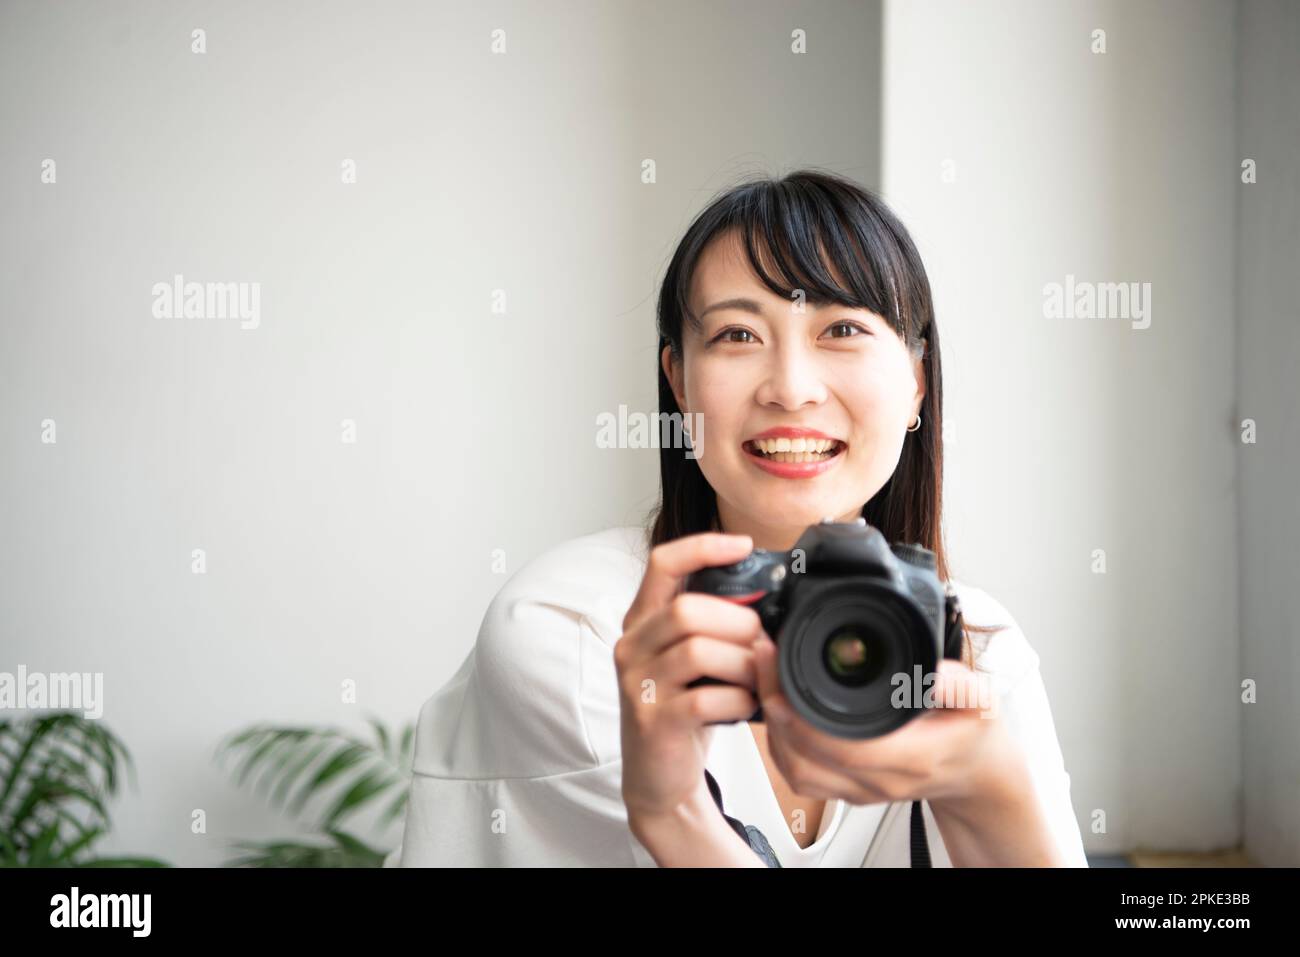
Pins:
x: 853, y: 617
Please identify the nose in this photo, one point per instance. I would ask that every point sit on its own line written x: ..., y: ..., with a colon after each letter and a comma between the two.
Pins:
x: 792, y: 380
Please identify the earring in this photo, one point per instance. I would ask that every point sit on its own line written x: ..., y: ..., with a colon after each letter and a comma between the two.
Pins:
x: 916, y: 425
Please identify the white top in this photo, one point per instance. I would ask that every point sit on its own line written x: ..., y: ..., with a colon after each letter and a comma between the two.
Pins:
x: 517, y: 757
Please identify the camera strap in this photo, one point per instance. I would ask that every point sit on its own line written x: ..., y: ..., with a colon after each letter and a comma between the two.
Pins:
x: 751, y: 835
x: 920, y: 849
x: 758, y: 843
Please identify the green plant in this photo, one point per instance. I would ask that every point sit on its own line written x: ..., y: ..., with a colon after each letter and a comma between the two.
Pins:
x: 58, y: 771
x: 298, y: 764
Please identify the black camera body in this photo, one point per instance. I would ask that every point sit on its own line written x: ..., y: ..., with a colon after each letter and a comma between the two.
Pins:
x: 857, y: 623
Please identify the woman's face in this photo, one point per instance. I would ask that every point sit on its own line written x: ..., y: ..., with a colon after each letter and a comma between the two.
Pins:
x: 761, y: 364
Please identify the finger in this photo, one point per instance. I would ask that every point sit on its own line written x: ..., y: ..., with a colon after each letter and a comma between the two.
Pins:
x: 811, y: 778
x: 693, y: 613
x: 710, y: 703
x: 702, y: 656
x: 957, y: 688
x: 671, y: 562
x: 765, y: 667
x: 894, y: 753
x: 816, y: 763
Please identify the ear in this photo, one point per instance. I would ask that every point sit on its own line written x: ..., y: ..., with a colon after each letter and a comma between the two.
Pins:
x: 918, y: 372
x: 673, y: 370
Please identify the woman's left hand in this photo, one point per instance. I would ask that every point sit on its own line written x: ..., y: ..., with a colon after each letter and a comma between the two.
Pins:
x: 959, y: 755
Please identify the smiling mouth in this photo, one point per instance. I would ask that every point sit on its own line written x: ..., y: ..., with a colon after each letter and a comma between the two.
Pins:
x: 794, y: 451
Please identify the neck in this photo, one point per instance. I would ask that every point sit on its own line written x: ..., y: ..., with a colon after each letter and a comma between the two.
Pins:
x: 769, y: 535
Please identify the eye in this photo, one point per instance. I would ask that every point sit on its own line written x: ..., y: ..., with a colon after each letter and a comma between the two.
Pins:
x: 846, y: 324
x: 725, y: 333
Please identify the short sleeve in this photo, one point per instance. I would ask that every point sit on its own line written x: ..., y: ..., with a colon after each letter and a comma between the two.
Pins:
x: 1014, y: 666
x: 517, y: 758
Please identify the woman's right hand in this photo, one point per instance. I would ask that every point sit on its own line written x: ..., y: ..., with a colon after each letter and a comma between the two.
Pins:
x: 669, y: 640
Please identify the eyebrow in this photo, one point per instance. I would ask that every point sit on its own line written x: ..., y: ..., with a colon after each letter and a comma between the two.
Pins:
x: 740, y: 302
x: 745, y: 304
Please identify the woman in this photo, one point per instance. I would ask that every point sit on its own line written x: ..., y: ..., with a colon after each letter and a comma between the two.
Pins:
x: 796, y: 324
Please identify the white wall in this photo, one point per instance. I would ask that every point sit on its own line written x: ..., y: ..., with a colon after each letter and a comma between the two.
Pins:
x: 476, y: 432
x: 1069, y: 435
x: 1268, y: 131
x: 372, y: 561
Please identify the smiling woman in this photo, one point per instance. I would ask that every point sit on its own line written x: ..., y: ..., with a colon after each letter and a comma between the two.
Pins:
x: 774, y: 309
x: 795, y: 322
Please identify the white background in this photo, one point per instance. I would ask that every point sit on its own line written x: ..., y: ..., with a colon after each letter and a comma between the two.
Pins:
x: 373, y: 562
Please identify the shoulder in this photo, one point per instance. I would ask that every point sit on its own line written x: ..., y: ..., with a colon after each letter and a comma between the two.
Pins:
x: 1003, y: 649
x: 592, y: 577
x: 538, y: 694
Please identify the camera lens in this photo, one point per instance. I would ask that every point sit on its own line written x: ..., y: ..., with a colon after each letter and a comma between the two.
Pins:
x: 843, y: 643
x: 850, y: 657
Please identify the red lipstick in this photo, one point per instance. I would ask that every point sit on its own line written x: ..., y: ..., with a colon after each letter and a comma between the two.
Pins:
x: 808, y: 465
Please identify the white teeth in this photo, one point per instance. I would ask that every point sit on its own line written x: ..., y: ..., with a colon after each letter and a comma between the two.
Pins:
x: 795, y: 450
x: 797, y: 457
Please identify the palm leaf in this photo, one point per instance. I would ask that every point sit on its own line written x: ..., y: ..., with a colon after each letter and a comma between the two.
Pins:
x: 123, y: 862
x: 58, y: 771
x: 292, y: 773
x: 346, y: 851
x: 356, y: 797
x: 325, y: 766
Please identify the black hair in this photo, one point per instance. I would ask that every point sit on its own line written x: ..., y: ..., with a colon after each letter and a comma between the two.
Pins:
x: 837, y: 242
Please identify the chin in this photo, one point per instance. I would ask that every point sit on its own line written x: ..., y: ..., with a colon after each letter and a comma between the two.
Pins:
x: 795, y: 509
